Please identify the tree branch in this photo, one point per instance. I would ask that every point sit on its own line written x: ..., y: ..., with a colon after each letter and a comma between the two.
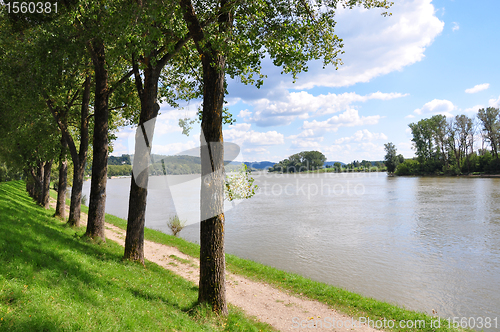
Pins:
x: 121, y: 81
x: 138, y: 80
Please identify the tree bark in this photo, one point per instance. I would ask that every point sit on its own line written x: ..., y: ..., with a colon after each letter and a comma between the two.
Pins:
x: 148, y: 94
x: 31, y: 182
x: 63, y: 181
x: 39, y: 183
x: 80, y: 158
x: 96, y: 215
x: 134, y: 241
x: 212, y: 286
x: 46, y: 184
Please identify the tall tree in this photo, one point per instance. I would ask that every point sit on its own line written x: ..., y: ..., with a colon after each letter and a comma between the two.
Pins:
x: 159, y: 44
x: 98, y: 23
x: 391, y: 159
x: 490, y: 120
x: 63, y: 181
x: 291, y: 32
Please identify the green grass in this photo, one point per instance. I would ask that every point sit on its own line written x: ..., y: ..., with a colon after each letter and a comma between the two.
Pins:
x: 52, y: 279
x: 340, y: 299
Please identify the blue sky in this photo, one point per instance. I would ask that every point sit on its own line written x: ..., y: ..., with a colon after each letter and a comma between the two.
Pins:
x: 429, y: 57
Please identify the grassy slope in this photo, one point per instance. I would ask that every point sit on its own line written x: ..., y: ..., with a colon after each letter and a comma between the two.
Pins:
x: 347, y: 302
x: 53, y: 280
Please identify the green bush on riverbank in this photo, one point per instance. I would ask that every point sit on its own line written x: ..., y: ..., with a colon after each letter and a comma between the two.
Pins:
x: 53, y: 280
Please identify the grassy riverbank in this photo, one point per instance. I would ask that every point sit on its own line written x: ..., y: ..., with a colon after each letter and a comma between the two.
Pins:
x: 53, y: 280
x: 182, y: 300
x: 342, y: 300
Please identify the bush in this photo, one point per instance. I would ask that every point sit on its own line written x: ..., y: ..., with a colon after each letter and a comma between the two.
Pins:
x: 408, y: 167
x: 175, y: 224
x: 84, y: 200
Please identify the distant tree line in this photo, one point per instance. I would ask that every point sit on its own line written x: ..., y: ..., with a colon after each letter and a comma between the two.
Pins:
x: 300, y: 162
x: 160, y: 165
x: 448, y: 146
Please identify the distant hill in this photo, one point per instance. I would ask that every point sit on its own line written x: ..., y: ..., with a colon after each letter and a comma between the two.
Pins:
x: 259, y: 164
x: 185, y: 164
x: 330, y: 163
x: 123, y: 160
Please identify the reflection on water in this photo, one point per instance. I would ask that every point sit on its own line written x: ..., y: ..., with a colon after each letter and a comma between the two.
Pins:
x: 425, y: 243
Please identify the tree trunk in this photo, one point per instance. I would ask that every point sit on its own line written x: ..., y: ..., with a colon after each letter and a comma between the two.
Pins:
x: 75, y: 207
x: 80, y: 158
x: 96, y: 215
x: 30, y: 182
x: 63, y: 181
x: 39, y: 183
x: 212, y: 287
x: 134, y: 241
x: 46, y: 184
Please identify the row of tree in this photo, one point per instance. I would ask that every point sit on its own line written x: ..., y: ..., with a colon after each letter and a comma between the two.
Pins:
x: 72, y: 76
x: 458, y: 145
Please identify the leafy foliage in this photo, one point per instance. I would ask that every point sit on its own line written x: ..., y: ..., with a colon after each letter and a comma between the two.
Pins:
x: 446, y: 146
x: 175, y: 224
x: 240, y: 185
x: 300, y: 162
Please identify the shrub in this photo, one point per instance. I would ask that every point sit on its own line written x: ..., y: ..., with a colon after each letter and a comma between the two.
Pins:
x: 175, y: 224
x: 84, y: 200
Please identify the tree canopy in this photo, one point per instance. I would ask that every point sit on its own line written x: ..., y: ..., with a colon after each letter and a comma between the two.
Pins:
x: 300, y: 162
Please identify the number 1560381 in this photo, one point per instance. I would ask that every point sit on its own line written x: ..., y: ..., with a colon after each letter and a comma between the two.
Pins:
x: 31, y: 7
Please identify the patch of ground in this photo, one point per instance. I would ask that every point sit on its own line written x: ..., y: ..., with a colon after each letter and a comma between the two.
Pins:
x: 283, y: 311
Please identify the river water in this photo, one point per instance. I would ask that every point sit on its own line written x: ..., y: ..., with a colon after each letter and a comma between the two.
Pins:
x: 421, y: 242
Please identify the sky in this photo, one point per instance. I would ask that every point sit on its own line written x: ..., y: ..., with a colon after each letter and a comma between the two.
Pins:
x: 429, y: 57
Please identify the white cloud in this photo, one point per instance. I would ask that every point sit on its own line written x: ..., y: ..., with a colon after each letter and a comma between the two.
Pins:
x: 494, y: 102
x: 455, y: 26
x: 256, y: 150
x: 305, y: 144
x: 361, y: 136
x: 349, y: 118
x: 352, y: 151
x: 173, y: 148
x: 436, y: 106
x: 473, y: 109
x: 125, y: 133
x: 245, y: 113
x: 409, y: 116
x: 243, y: 136
x: 303, y: 105
x: 304, y: 134
x: 477, y: 88
x: 377, y: 45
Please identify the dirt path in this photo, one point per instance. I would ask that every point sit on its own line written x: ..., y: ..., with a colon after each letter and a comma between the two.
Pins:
x: 275, y: 307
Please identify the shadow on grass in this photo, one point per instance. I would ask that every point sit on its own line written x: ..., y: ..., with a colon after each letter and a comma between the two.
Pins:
x: 32, y: 244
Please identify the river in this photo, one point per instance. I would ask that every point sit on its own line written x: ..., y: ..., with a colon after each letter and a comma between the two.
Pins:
x: 421, y: 242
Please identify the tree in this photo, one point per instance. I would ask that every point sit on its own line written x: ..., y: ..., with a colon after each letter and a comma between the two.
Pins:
x: 30, y: 137
x: 491, y: 127
x: 97, y: 23
x: 302, y: 161
x: 158, y: 46
x: 391, y: 158
x: 235, y: 43
x: 234, y: 40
